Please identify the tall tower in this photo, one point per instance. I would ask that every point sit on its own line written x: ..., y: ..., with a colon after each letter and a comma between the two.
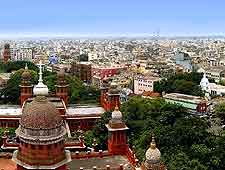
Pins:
x: 153, y: 158
x: 26, y: 87
x: 104, y: 89
x: 41, y: 133
x: 6, y: 53
x: 62, y: 87
x: 113, y: 96
x: 117, y: 139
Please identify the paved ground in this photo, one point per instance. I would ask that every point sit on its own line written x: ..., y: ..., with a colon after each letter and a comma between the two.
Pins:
x: 7, y: 164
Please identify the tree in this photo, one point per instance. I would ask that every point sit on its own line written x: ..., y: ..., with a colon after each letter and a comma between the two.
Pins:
x: 186, y: 83
x: 50, y: 80
x: 99, y: 132
x: 220, y: 112
x: 11, y: 93
x: 16, y: 65
x: 83, y: 57
x: 183, y: 139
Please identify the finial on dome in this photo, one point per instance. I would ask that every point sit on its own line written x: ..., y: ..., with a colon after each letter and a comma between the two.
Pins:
x: 116, y: 108
x: 204, y: 75
x: 26, y: 67
x: 153, y: 144
x: 40, y: 80
x: 40, y: 89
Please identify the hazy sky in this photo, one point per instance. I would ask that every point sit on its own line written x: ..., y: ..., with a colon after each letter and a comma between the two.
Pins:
x: 112, y: 17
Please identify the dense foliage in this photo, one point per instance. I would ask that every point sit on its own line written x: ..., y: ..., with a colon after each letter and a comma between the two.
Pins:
x: 78, y: 92
x: 182, y: 139
x: 11, y: 93
x: 83, y: 57
x: 16, y: 65
x: 220, y: 112
x: 186, y: 83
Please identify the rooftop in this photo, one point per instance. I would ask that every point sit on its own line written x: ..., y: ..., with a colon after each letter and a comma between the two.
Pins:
x: 183, y: 97
x: 100, y: 163
x: 10, y: 110
x: 85, y: 110
x: 55, y: 100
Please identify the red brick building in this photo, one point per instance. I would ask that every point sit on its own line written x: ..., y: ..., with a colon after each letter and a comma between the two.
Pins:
x: 41, y: 134
x: 83, y: 70
x: 42, y: 143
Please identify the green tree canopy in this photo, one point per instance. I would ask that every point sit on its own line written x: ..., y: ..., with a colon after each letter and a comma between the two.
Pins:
x: 183, y: 139
x: 220, y: 112
x: 16, y: 65
x: 11, y: 93
x: 83, y: 57
x: 186, y: 83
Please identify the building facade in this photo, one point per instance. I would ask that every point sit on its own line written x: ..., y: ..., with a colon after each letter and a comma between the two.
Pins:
x: 83, y: 70
x: 144, y: 84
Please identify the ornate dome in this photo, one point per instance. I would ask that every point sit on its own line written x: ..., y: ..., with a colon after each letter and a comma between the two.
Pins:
x: 61, y: 77
x: 153, y: 154
x: 116, y: 114
x: 40, y: 114
x: 26, y: 74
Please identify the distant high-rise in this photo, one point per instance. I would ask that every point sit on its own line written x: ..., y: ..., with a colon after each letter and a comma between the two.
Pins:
x: 6, y: 53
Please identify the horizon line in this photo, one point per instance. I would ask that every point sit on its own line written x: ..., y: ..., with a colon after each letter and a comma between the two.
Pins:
x: 97, y: 35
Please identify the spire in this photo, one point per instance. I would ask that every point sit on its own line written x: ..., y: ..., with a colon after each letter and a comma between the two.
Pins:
x: 204, y: 75
x: 40, y: 72
x: 153, y: 144
x: 40, y: 89
x: 116, y: 108
x: 26, y: 68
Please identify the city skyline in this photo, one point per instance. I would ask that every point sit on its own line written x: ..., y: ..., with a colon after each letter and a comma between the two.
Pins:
x: 115, y: 18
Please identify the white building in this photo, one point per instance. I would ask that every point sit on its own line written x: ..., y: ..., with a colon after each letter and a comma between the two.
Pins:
x: 211, y: 88
x: 144, y: 83
x: 24, y: 54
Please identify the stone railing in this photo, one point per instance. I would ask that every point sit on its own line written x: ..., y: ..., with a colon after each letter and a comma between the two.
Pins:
x: 88, y: 154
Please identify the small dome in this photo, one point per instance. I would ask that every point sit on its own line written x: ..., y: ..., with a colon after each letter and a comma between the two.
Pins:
x: 26, y: 75
x: 114, y: 88
x: 61, y: 74
x: 153, y: 154
x: 61, y: 77
x: 40, y: 89
x: 116, y: 114
x: 40, y: 114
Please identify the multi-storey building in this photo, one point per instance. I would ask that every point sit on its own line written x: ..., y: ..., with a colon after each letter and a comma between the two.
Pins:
x: 144, y: 83
x: 26, y: 54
